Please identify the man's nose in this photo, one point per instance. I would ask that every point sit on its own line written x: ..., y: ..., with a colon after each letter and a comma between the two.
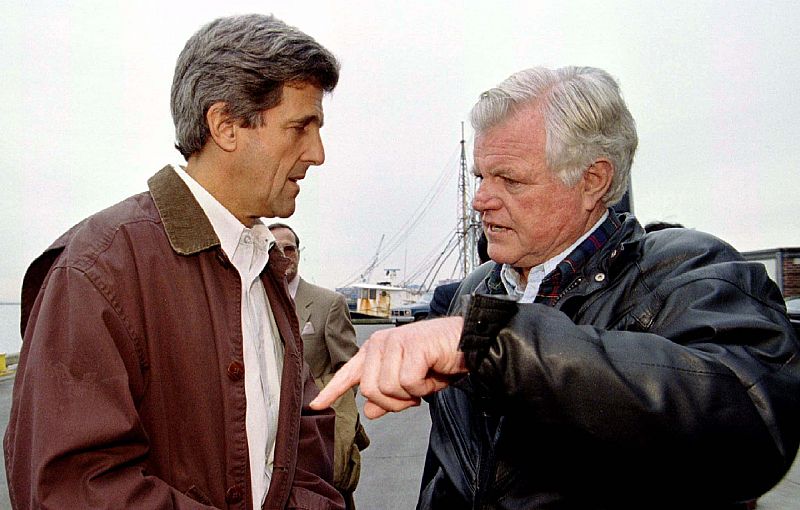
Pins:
x: 484, y: 199
x: 315, y: 152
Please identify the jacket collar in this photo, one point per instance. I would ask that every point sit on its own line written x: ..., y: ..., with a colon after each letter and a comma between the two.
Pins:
x: 302, y: 302
x: 621, y: 247
x: 187, y: 227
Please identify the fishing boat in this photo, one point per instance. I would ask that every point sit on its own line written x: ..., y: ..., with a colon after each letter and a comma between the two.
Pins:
x: 368, y: 300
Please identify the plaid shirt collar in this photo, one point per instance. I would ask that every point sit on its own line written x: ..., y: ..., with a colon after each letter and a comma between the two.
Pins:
x: 564, y: 274
x: 567, y: 270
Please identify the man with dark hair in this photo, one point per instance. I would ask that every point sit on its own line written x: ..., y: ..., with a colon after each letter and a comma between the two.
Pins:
x: 162, y: 364
x: 595, y: 366
x: 329, y: 341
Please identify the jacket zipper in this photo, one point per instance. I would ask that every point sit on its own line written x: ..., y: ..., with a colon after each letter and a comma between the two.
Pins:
x: 571, y: 286
x: 486, y: 461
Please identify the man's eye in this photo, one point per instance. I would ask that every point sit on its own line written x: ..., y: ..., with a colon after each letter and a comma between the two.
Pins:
x: 511, y: 184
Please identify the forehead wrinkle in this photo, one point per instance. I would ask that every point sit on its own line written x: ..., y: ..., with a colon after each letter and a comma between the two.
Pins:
x: 503, y: 163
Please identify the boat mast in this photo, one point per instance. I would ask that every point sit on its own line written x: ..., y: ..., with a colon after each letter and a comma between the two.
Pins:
x: 367, y: 274
x: 468, y: 238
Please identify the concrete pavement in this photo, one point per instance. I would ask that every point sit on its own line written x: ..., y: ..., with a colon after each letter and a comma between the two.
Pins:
x: 391, y: 468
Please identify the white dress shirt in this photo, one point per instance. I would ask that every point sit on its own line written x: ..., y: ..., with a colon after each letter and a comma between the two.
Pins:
x: 293, y: 285
x: 248, y: 251
x: 512, y: 279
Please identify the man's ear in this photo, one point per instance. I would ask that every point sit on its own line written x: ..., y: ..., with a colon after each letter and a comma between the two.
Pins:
x: 222, y: 127
x: 596, y: 181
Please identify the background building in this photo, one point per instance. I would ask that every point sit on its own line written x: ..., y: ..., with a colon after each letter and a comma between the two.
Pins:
x: 783, y: 266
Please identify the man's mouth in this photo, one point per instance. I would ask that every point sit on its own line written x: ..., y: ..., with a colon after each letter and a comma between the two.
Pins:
x: 497, y: 229
x: 296, y: 182
x: 296, y: 178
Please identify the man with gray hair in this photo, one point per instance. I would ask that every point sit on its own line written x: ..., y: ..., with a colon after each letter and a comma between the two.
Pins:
x: 591, y: 365
x: 162, y: 361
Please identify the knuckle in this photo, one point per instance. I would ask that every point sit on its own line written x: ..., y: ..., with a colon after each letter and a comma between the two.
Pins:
x: 408, y: 380
x: 368, y: 389
x: 389, y: 387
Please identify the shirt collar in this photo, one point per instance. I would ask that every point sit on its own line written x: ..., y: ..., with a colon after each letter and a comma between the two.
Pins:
x: 293, y: 285
x: 511, y: 277
x: 226, y: 226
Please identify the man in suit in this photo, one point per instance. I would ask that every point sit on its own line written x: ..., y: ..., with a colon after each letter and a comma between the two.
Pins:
x: 329, y: 341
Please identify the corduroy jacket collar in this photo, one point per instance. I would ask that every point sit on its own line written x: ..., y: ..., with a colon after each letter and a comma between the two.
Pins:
x: 187, y: 226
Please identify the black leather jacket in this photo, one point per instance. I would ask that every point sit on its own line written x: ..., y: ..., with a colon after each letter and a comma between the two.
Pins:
x: 666, y: 376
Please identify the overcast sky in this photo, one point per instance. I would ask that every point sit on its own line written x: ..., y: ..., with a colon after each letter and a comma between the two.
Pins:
x: 712, y: 85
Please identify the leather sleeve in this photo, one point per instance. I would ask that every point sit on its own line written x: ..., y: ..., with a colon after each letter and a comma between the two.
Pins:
x: 79, y: 364
x: 700, y: 381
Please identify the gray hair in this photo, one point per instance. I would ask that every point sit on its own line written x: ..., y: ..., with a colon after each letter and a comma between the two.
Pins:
x: 243, y: 61
x: 584, y: 114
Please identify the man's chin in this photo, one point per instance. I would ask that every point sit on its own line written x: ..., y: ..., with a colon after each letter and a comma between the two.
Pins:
x: 500, y: 257
x: 284, y: 211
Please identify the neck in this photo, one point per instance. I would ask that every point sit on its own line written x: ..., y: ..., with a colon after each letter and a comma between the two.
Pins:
x: 588, y: 225
x: 209, y: 170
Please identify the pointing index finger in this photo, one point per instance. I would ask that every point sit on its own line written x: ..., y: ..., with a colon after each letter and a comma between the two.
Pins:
x: 344, y: 379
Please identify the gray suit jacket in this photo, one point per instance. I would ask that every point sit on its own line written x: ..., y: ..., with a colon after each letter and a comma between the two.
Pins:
x: 329, y: 340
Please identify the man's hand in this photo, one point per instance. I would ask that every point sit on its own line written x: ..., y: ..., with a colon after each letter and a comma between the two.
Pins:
x: 398, y: 366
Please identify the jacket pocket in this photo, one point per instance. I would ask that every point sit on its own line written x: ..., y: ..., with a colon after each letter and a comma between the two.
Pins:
x: 198, y: 495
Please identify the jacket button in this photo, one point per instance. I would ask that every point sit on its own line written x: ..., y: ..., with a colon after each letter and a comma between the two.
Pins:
x: 235, y: 371
x: 234, y: 494
x: 599, y: 277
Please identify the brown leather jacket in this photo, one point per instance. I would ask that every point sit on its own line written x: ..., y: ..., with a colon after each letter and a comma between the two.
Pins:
x: 130, y: 387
